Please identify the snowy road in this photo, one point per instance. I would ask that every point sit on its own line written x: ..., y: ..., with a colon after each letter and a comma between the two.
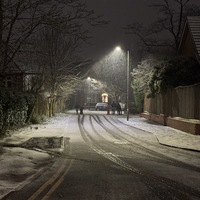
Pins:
x: 106, y: 159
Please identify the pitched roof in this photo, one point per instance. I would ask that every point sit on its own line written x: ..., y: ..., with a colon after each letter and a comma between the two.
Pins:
x: 193, y: 26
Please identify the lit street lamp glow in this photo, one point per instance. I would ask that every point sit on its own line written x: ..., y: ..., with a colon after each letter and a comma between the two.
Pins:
x: 118, y: 48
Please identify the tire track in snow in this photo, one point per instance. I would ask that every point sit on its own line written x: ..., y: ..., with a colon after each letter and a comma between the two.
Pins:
x: 163, y: 188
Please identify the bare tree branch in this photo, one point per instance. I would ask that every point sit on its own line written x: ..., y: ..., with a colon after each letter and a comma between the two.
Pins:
x: 169, y: 24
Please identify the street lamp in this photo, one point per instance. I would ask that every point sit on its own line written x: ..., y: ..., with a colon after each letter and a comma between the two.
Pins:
x: 128, y: 83
x: 89, y: 98
x: 128, y: 79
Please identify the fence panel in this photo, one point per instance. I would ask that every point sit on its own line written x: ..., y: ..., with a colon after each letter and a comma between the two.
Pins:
x: 182, y: 102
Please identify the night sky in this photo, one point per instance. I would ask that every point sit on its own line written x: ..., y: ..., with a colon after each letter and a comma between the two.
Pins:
x: 120, y: 13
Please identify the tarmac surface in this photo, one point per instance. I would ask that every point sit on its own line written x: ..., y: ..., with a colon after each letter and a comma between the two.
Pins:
x: 165, y: 135
x: 31, y: 147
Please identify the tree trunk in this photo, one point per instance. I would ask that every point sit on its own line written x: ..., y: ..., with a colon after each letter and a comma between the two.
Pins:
x: 1, y: 35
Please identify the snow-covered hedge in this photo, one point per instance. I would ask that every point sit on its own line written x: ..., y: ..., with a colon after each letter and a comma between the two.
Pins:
x: 14, y: 108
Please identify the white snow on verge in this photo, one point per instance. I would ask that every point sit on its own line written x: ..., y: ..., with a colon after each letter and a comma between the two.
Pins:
x: 166, y: 135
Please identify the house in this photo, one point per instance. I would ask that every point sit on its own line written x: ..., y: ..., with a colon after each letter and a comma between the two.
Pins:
x: 180, y: 108
x: 190, y: 40
x: 16, y: 79
x: 12, y: 78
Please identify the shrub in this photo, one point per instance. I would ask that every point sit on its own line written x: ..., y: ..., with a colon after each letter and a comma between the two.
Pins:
x: 171, y: 73
x: 37, y: 119
x: 14, y: 108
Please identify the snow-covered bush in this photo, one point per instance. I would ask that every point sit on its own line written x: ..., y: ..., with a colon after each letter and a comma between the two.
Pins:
x: 13, y: 109
x: 141, y: 78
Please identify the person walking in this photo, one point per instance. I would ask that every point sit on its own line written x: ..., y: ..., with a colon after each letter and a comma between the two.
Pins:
x: 81, y: 108
x: 108, y: 109
x: 118, y: 108
x: 113, y: 107
x: 77, y: 107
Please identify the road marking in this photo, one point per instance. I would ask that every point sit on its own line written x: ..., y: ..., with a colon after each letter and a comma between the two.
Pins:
x: 57, y: 184
x: 52, y: 179
x: 49, y: 182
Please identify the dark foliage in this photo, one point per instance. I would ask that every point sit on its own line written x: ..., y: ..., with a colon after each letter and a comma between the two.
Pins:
x: 14, y: 108
x: 175, y: 72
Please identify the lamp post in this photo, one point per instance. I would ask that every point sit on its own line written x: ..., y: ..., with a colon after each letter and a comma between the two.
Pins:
x: 128, y: 83
x: 128, y: 79
x: 89, y: 98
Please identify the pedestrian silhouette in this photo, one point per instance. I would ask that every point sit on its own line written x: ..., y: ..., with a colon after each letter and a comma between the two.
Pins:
x: 113, y: 107
x: 76, y: 107
x: 118, y: 108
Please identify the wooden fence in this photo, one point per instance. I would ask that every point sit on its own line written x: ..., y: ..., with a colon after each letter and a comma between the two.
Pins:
x: 49, y: 106
x: 183, y: 101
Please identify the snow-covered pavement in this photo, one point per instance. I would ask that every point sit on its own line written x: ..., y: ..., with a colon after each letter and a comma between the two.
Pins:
x: 18, y: 166
x: 15, y: 157
x: 166, y: 135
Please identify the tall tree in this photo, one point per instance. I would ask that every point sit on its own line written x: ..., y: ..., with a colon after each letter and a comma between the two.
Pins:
x: 166, y: 30
x: 21, y: 19
x: 1, y: 32
x: 44, y: 36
